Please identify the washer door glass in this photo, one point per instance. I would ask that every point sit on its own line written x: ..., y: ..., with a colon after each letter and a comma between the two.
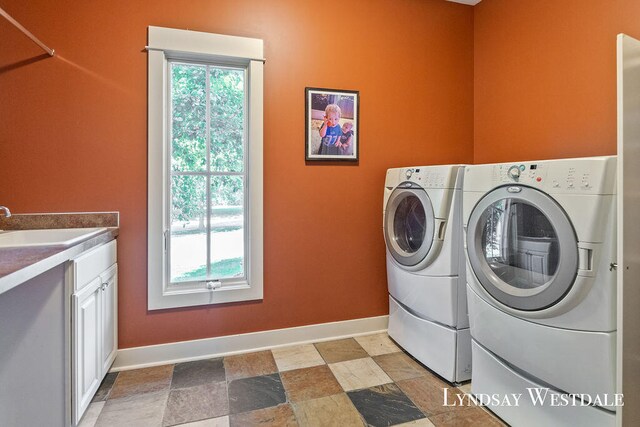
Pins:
x: 409, y: 225
x: 522, y: 248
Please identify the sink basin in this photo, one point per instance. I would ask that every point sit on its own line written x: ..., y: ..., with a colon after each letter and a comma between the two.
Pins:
x: 53, y: 237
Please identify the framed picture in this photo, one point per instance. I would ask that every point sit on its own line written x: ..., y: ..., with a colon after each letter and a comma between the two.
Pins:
x: 332, y: 132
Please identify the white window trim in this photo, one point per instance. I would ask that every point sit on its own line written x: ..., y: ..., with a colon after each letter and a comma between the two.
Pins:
x: 172, y: 43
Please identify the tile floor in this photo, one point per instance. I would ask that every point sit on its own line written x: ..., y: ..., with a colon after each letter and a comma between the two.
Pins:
x: 357, y: 381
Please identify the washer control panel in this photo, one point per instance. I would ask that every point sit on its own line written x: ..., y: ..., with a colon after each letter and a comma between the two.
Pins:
x: 428, y: 177
x: 445, y: 176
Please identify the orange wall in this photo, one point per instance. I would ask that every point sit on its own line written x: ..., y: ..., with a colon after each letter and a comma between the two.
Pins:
x: 73, y: 137
x: 545, y: 77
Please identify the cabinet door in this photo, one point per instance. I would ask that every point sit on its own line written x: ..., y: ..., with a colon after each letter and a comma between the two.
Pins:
x: 109, y: 295
x: 87, y: 361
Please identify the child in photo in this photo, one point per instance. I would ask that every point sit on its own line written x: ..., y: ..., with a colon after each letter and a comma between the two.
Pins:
x: 330, y: 131
x: 345, y: 146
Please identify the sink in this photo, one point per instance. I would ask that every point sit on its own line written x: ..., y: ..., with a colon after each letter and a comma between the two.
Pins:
x: 51, y: 237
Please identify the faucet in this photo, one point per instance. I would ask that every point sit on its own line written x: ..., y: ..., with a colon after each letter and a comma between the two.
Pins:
x: 7, y: 212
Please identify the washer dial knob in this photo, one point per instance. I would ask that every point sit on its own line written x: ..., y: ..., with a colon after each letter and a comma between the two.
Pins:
x: 409, y: 173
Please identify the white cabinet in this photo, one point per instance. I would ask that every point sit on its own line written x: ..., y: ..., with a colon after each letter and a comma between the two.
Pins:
x: 109, y: 328
x: 87, y: 361
x: 94, y: 322
x: 35, y: 352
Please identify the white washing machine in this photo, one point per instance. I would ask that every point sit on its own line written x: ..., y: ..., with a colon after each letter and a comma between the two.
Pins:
x: 541, y: 252
x: 422, y: 223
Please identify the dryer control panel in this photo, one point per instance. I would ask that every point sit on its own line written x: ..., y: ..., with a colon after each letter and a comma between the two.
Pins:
x: 596, y: 175
x: 532, y: 174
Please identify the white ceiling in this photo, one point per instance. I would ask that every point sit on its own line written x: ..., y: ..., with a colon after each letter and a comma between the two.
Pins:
x: 469, y: 2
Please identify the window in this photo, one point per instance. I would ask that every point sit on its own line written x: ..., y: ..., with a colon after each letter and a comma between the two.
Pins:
x: 205, y: 168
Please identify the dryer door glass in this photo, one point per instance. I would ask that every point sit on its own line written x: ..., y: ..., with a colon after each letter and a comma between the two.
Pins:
x: 519, y: 244
x: 409, y: 224
x: 522, y: 248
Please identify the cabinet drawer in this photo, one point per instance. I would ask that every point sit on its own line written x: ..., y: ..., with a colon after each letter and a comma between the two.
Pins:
x: 90, y: 264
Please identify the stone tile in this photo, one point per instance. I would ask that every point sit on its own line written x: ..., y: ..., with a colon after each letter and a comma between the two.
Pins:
x: 211, y: 422
x: 138, y: 410
x: 281, y: 415
x: 250, y: 365
x: 359, y: 373
x: 466, y: 417
x: 377, y: 344
x: 249, y: 394
x: 199, y: 372
x: 196, y: 403
x: 336, y: 410
x: 340, y: 350
x: 297, y: 357
x: 384, y: 405
x: 310, y: 383
x: 147, y: 380
x: 91, y: 414
x: 399, y: 366
x: 424, y: 422
x: 465, y: 388
x: 105, y: 387
x: 427, y: 392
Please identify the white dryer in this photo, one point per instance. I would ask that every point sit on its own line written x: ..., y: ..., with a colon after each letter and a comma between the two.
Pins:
x: 422, y: 223
x: 541, y: 252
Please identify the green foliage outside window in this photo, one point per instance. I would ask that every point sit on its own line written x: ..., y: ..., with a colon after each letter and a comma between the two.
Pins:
x: 226, y: 120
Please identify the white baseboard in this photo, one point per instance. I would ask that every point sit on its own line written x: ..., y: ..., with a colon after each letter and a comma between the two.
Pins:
x: 184, y: 351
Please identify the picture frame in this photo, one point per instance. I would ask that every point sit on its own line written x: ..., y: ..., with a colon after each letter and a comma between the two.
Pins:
x: 339, y: 142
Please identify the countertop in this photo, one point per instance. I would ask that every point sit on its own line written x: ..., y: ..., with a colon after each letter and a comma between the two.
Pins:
x: 18, y: 265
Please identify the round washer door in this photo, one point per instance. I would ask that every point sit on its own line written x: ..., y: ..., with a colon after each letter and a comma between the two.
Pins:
x: 522, y: 247
x: 409, y: 224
